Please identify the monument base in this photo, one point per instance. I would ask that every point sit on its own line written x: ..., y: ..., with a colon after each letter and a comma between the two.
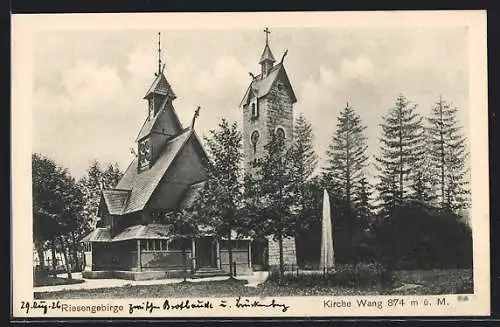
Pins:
x: 289, y: 252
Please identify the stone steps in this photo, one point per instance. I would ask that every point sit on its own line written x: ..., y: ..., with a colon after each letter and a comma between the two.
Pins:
x: 209, y: 272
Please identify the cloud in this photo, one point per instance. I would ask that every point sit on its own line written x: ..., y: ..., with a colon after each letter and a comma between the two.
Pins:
x: 88, y: 102
x: 359, y: 68
x: 88, y: 85
x: 227, y: 72
x: 139, y: 63
x: 48, y: 103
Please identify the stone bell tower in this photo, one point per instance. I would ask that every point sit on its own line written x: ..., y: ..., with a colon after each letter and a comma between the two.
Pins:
x: 268, y: 109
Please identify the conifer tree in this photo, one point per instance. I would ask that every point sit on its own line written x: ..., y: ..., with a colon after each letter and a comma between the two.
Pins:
x: 347, y: 157
x: 448, y: 156
x: 220, y: 201
x: 92, y: 184
x: 402, y: 151
x: 363, y: 201
x: 304, y: 161
x: 270, y: 195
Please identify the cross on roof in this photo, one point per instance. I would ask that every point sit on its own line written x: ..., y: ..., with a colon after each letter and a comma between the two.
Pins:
x: 267, y: 31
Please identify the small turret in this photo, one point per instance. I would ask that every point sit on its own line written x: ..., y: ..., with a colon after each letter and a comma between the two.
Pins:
x: 266, y: 59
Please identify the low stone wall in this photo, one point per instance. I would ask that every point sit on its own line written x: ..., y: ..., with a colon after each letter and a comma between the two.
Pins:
x: 100, y: 274
x: 241, y: 259
x: 133, y: 275
x: 289, y: 252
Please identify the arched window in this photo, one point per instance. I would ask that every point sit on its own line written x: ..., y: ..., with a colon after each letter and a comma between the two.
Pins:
x: 280, y: 133
x: 254, y: 138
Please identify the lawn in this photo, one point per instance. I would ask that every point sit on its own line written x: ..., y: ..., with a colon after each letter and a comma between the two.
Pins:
x: 432, y: 281
x: 52, y: 281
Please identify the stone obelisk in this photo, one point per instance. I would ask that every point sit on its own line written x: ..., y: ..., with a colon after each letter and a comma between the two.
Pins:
x: 327, y: 255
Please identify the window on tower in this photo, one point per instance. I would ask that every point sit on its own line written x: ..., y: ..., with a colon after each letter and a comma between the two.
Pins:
x: 151, y: 108
x: 255, y: 110
x: 280, y: 133
x: 254, y: 138
x: 144, y: 154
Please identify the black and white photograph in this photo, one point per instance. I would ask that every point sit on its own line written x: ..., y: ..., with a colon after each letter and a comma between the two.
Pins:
x: 329, y: 164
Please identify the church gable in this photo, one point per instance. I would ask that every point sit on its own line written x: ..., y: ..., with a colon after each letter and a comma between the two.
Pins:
x: 261, y: 87
x: 187, y: 169
x: 143, y: 183
x: 165, y: 122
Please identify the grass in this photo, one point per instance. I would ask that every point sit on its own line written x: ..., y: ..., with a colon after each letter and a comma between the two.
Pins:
x: 432, y: 281
x: 451, y: 281
x: 52, y: 281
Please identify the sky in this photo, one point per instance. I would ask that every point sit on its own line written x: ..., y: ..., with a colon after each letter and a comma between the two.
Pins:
x: 89, y: 85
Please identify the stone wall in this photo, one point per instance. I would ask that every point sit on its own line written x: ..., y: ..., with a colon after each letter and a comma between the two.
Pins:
x: 241, y: 257
x: 275, y: 110
x: 289, y: 252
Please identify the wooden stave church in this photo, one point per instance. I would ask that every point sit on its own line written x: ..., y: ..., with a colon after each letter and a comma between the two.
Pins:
x: 165, y: 176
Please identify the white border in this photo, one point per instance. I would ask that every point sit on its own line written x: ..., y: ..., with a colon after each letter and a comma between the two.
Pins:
x: 24, y: 28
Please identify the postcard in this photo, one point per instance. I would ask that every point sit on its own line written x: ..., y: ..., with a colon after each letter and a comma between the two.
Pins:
x: 294, y: 164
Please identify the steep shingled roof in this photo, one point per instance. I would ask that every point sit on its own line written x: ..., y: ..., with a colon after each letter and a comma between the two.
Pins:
x: 191, y: 193
x: 115, y: 200
x: 97, y: 235
x: 142, y: 184
x: 160, y: 86
x: 262, y: 86
x: 148, y: 126
x: 266, y: 55
x: 152, y: 125
x: 145, y: 232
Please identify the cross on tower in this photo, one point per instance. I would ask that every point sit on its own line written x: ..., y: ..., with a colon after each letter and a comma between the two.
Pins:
x: 267, y: 31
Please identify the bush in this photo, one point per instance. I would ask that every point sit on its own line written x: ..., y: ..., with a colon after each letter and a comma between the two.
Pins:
x: 363, y: 274
x: 416, y: 236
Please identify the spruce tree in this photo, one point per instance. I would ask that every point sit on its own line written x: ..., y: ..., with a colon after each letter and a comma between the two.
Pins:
x: 92, y: 184
x: 363, y: 201
x: 303, y: 155
x: 304, y: 160
x: 270, y: 195
x: 347, y: 157
x: 402, y: 151
x: 219, y: 203
x: 448, y: 156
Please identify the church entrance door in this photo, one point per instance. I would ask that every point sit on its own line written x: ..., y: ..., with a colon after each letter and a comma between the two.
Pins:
x: 260, y: 254
x: 205, y: 252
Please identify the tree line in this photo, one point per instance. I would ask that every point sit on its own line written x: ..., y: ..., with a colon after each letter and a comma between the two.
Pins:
x: 65, y: 209
x: 408, y: 216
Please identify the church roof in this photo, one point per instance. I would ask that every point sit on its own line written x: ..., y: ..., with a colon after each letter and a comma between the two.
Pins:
x: 160, y: 86
x: 97, y: 235
x: 191, y: 194
x: 150, y: 125
x: 115, y: 200
x: 262, y: 86
x: 145, y: 232
x: 141, y: 185
x: 266, y: 55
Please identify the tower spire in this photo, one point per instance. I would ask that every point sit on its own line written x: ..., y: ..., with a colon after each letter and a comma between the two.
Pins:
x: 266, y: 59
x: 267, y: 31
x: 159, y: 53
